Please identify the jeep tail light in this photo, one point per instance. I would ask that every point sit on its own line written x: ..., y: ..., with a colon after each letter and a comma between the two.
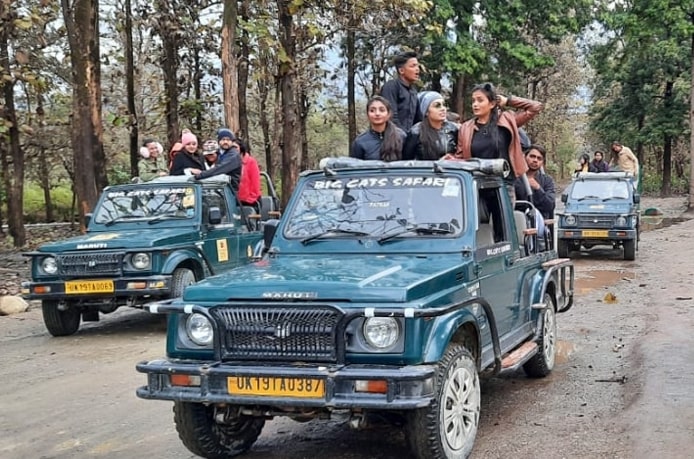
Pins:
x: 185, y: 380
x: 376, y: 386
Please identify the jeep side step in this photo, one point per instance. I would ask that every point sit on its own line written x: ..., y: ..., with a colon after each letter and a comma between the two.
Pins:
x: 519, y: 356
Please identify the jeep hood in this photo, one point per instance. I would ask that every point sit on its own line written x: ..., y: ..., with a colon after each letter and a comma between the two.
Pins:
x: 597, y: 206
x: 128, y: 239
x: 339, y: 278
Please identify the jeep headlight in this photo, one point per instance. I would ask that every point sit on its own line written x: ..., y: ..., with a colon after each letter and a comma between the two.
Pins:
x: 570, y: 220
x: 381, y: 332
x: 140, y: 260
x: 622, y: 221
x: 49, y: 265
x: 199, y: 329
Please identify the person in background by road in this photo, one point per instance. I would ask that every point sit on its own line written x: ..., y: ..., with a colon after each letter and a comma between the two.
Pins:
x: 228, y: 159
x: 249, y: 184
x: 598, y: 164
x: 625, y: 160
x: 188, y: 160
x: 401, y: 91
x: 434, y: 136
x: 383, y: 140
x: 493, y: 132
x: 583, y: 164
x: 209, y: 153
x: 152, y: 163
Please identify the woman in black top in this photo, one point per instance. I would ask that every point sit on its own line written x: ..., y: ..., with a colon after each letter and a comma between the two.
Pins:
x: 434, y: 136
x: 383, y: 140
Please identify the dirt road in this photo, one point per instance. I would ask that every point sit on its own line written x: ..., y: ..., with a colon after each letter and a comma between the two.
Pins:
x: 621, y: 388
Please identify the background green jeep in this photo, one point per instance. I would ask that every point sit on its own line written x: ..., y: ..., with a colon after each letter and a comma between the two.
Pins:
x: 599, y: 209
x: 386, y: 287
x: 144, y: 241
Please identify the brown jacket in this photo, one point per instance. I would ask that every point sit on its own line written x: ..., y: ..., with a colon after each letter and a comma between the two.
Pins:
x: 511, y: 120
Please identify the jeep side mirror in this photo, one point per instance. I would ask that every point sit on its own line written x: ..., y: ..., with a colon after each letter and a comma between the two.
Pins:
x: 87, y: 219
x: 637, y: 198
x: 564, y: 198
x: 269, y: 231
x: 215, y: 216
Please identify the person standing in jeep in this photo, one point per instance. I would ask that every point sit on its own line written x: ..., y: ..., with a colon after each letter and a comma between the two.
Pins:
x: 228, y: 160
x: 401, y: 93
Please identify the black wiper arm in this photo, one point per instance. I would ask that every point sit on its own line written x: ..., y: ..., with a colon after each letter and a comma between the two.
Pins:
x: 588, y: 197
x: 333, y: 231
x: 119, y: 218
x: 161, y: 218
x: 613, y: 197
x: 416, y: 229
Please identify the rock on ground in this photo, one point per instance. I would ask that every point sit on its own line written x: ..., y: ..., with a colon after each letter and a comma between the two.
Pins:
x: 12, y: 305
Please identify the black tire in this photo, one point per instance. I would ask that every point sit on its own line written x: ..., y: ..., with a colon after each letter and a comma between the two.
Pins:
x: 630, y: 250
x: 202, y: 435
x: 563, y: 248
x: 542, y: 363
x: 447, y: 428
x: 182, y: 278
x: 60, y: 323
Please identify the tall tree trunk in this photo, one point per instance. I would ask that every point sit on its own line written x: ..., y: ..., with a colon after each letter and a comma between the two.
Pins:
x: 14, y: 179
x: 291, y: 137
x: 303, y: 120
x: 666, y: 186
x: 166, y: 27
x: 44, y: 170
x: 80, y: 21
x: 243, y: 65
x: 690, y: 205
x: 197, y: 90
x: 458, y: 97
x: 130, y: 89
x: 229, y: 68
x: 351, y: 72
x: 263, y: 94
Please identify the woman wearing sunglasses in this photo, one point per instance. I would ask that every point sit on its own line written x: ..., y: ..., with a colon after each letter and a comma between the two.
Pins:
x: 434, y: 136
x: 493, y: 132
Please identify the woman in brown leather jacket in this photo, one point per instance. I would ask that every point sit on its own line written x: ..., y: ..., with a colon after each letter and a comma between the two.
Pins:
x: 493, y: 132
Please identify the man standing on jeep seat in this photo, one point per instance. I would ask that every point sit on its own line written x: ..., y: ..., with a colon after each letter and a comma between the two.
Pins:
x: 625, y: 160
x: 541, y: 184
x: 401, y: 93
x: 228, y: 159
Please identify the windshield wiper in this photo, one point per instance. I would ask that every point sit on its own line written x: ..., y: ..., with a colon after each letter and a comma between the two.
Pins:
x: 333, y: 232
x: 590, y: 196
x: 420, y: 229
x: 166, y: 217
x: 613, y: 197
x: 119, y: 218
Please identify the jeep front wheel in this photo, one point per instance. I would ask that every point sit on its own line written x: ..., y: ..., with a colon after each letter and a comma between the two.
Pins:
x: 630, y: 250
x: 203, y: 435
x: 181, y: 278
x: 542, y: 363
x: 60, y: 323
x: 447, y: 428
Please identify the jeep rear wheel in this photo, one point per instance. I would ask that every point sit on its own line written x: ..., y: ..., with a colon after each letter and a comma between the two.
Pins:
x: 204, y: 436
x: 542, y: 363
x: 60, y: 323
x: 630, y: 250
x: 562, y: 248
x: 447, y: 428
x: 182, y: 278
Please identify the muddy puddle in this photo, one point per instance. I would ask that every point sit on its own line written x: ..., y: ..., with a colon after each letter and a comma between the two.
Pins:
x: 591, y: 280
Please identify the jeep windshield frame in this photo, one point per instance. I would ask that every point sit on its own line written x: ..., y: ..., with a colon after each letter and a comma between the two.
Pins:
x: 601, y: 190
x: 377, y: 205
x: 163, y: 203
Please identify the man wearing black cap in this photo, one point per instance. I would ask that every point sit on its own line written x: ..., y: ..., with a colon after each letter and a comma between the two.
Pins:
x: 401, y: 93
x: 228, y: 159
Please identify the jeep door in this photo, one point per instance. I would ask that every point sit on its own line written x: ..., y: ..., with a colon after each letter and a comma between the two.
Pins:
x: 220, y: 240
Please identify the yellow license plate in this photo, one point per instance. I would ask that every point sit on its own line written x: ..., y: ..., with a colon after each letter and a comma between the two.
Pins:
x: 594, y: 233
x: 277, y: 386
x: 100, y: 286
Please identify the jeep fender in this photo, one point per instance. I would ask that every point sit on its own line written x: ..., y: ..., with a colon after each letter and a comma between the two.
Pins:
x: 186, y: 255
x: 444, y: 328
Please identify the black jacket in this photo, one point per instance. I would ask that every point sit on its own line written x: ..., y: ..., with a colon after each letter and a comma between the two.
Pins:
x: 183, y: 160
x: 448, y: 142
x: 228, y: 162
x: 404, y: 103
x: 543, y: 198
x: 367, y: 145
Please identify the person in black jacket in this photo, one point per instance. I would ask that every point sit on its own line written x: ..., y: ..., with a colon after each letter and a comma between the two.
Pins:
x: 401, y: 92
x: 229, y: 159
x: 541, y: 184
x: 383, y: 140
x: 187, y: 160
x: 434, y: 136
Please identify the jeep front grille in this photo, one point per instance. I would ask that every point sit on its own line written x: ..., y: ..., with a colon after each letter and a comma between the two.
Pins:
x: 89, y: 264
x: 279, y: 333
x: 596, y: 221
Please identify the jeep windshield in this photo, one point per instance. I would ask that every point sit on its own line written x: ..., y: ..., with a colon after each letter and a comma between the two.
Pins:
x: 600, y: 190
x: 378, y: 206
x: 151, y: 204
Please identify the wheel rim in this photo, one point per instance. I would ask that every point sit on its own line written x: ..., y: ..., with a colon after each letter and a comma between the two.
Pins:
x: 461, y: 408
x: 549, y: 334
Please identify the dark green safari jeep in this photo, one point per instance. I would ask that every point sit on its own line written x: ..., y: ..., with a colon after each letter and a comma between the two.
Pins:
x: 144, y: 241
x: 385, y: 288
x: 600, y: 209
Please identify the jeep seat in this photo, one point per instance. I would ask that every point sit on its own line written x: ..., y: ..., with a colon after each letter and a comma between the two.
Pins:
x: 485, y: 232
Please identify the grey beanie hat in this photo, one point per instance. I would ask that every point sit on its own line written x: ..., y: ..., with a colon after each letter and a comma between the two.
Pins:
x: 425, y: 99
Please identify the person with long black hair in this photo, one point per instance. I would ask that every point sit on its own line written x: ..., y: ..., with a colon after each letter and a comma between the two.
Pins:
x: 383, y: 140
x: 493, y: 132
x: 435, y: 136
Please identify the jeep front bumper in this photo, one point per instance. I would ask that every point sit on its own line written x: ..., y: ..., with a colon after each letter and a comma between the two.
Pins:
x: 83, y: 289
x: 588, y: 234
x: 405, y: 388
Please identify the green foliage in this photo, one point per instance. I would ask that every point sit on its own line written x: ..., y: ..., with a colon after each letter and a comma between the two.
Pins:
x: 35, y: 205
